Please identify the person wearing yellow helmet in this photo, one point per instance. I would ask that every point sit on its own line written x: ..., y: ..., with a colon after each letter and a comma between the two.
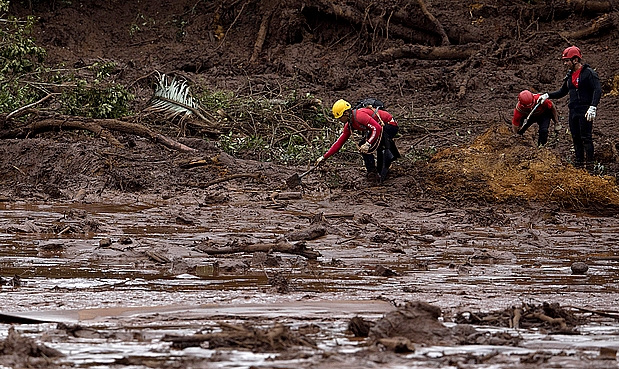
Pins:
x: 583, y: 86
x: 378, y: 128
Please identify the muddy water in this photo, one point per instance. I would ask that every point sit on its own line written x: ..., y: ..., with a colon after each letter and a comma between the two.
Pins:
x: 457, y: 259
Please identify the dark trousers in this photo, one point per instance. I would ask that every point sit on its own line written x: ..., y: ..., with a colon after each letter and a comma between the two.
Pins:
x: 543, y: 122
x: 582, y: 136
x: 386, y: 153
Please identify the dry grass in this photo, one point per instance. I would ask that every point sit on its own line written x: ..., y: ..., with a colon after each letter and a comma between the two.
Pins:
x: 498, y: 166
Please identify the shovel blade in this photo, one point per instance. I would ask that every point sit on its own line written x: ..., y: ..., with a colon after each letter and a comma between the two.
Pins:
x: 294, y: 181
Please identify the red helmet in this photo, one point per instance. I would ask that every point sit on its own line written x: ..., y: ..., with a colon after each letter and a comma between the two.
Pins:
x: 525, y: 98
x: 571, y: 52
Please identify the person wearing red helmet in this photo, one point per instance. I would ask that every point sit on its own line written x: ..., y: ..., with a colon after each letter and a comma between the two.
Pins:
x: 541, y: 114
x: 583, y: 85
x: 378, y: 127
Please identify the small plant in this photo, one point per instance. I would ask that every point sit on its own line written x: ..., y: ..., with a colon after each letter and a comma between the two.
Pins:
x: 18, y: 52
x: 422, y: 155
x: 96, y: 101
x: 139, y: 23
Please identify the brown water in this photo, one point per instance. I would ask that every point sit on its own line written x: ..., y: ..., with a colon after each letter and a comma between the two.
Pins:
x: 132, y: 301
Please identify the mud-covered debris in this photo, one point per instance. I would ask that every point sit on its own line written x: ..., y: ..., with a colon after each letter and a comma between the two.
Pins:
x: 436, y: 230
x: 280, y: 245
x: 416, y: 321
x: 287, y: 195
x: 186, y: 219
x: 157, y: 257
x: 397, y: 344
x: 76, y: 330
x: 492, y: 256
x: 280, y: 282
x: 105, y: 242
x: 359, y: 327
x: 51, y: 246
x: 309, y: 329
x: 13, y: 282
x: 212, y: 198
x: 277, y: 338
x: 263, y: 259
x: 382, y: 237
x: 469, y: 336
x: 608, y: 353
x: 579, y: 268
x: 547, y: 316
x: 383, y: 271
x: 125, y: 240
x: 312, y: 232
x: 27, y: 227
x: 21, y: 347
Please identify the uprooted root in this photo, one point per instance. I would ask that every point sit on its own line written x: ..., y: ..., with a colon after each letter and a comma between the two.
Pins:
x: 550, y: 316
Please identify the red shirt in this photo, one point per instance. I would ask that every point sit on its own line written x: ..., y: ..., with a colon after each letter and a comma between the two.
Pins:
x: 576, y: 77
x: 520, y: 113
x: 363, y: 120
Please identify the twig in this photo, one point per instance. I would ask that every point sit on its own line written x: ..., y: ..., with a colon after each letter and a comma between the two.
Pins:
x: 19, y: 170
x: 233, y: 22
x: 18, y: 111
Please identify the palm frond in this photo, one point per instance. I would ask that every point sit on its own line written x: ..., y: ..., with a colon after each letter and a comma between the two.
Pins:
x: 172, y: 98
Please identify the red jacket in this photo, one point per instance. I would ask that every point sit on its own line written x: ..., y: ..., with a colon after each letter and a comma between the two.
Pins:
x: 520, y: 113
x: 363, y: 120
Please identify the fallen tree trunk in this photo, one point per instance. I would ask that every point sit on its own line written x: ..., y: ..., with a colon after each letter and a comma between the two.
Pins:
x: 298, y: 248
x: 460, y: 52
x: 413, y: 22
x: 599, y: 24
x: 99, y: 127
x: 591, y: 6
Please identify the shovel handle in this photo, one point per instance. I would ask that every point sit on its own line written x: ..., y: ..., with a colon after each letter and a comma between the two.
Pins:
x: 526, y: 121
x: 307, y: 172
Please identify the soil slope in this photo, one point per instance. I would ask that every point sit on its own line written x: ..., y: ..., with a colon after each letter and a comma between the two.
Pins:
x: 449, y: 71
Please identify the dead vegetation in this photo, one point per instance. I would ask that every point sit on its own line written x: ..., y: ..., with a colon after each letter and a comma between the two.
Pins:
x: 501, y: 167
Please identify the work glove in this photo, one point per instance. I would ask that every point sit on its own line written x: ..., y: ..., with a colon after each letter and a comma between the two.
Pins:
x: 320, y: 160
x: 365, y: 148
x: 590, y: 115
x: 542, y: 98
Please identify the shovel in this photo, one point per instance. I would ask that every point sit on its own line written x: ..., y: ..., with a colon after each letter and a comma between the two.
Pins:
x: 295, y: 180
x: 526, y: 124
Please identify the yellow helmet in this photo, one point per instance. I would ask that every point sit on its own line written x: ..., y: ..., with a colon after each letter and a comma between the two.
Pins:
x: 339, y: 108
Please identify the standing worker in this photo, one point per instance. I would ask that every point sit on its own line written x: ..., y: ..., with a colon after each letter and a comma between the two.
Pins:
x: 536, y: 113
x: 583, y: 85
x: 378, y: 127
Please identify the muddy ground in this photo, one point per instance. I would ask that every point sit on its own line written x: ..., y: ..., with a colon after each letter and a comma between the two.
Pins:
x: 123, y: 255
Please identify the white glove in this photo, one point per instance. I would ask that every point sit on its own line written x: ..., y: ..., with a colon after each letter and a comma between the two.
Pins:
x: 320, y: 160
x: 590, y: 115
x: 365, y: 148
x: 542, y: 98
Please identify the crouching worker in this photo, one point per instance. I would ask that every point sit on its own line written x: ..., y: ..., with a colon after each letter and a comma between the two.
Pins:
x: 540, y: 114
x: 378, y: 129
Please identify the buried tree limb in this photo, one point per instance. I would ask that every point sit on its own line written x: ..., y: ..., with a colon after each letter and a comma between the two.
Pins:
x: 439, y: 27
x: 424, y: 52
x: 298, y: 248
x: 99, y: 127
x: 601, y: 23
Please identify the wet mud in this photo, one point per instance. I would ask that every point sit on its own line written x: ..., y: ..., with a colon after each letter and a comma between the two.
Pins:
x: 480, y: 251
x: 127, y: 283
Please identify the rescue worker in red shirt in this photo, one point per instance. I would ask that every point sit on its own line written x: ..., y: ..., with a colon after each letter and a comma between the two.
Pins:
x: 378, y: 127
x: 583, y: 85
x: 542, y: 115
